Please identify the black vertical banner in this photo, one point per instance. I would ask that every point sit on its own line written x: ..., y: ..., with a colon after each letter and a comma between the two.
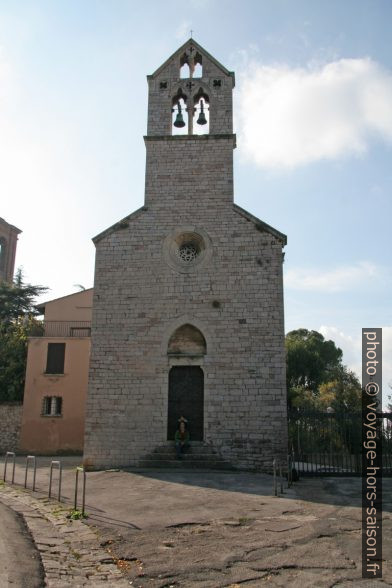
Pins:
x: 371, y: 453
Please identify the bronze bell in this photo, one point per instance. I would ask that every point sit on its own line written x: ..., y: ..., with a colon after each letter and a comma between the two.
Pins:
x: 179, y: 122
x: 202, y: 117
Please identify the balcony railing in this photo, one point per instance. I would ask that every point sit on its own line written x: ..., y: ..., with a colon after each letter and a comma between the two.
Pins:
x: 62, y: 329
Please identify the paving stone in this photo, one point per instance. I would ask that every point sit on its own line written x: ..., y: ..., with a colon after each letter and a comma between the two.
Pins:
x: 58, y: 545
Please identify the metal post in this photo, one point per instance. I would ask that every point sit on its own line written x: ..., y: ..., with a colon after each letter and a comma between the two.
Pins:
x: 50, y: 479
x: 293, y: 468
x: 5, y: 465
x: 76, y: 489
x: 13, y: 469
x: 52, y: 464
x: 80, y: 469
x: 281, y: 478
x: 26, y: 468
x: 28, y: 459
x: 84, y: 491
x: 60, y: 480
x: 7, y: 455
x: 275, y: 481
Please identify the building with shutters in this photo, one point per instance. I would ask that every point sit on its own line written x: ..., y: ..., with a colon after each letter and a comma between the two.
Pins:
x: 188, y: 295
x: 56, y: 377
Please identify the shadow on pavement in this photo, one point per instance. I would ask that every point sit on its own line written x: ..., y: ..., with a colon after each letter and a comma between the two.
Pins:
x: 338, y: 491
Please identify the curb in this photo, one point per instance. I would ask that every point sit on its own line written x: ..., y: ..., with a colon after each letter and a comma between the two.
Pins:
x: 70, y: 551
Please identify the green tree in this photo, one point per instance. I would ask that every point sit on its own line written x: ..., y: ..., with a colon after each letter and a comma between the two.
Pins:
x: 342, y: 393
x: 17, y: 322
x: 311, y: 361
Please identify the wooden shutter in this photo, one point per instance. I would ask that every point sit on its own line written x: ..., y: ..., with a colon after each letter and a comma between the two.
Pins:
x: 55, y: 359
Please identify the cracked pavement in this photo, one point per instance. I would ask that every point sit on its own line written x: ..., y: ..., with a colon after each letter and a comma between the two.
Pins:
x: 195, y: 529
x: 295, y: 540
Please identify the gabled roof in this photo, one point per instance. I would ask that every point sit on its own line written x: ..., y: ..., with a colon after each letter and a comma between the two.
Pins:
x: 183, y: 47
x: 41, y: 305
x: 261, y: 225
x: 12, y: 227
x: 122, y: 224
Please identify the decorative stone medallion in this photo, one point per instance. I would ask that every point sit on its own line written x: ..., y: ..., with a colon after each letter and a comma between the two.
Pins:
x: 187, y: 249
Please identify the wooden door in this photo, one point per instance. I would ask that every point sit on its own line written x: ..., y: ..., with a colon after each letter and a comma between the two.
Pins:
x: 186, y: 398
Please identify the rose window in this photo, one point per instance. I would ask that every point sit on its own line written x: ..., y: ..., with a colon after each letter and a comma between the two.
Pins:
x: 187, y: 252
x: 187, y: 248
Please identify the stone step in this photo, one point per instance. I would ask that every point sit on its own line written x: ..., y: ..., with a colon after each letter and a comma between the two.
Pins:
x: 199, y: 449
x: 180, y: 463
x: 187, y: 455
x: 197, y: 455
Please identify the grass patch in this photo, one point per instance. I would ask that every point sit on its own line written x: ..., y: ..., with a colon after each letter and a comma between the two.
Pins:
x: 76, y: 554
x: 244, y: 520
x: 75, y: 515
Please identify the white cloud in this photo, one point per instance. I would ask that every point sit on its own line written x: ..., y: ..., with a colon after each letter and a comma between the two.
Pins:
x: 351, y: 346
x: 291, y: 117
x: 335, y: 280
x: 352, y: 352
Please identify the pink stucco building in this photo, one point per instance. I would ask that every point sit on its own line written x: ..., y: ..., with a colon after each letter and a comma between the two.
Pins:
x: 56, y: 377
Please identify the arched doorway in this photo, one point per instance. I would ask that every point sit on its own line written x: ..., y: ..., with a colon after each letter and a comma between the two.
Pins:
x: 186, y: 382
x: 186, y: 398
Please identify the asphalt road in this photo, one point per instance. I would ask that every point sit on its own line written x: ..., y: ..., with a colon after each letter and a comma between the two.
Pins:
x: 20, y: 563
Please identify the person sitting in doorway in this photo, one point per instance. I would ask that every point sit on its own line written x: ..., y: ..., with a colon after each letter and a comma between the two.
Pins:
x: 181, y: 437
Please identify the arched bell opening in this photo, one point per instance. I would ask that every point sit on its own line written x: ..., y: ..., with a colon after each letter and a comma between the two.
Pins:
x: 201, y: 117
x: 185, y: 70
x: 179, y: 111
x: 187, y: 341
x: 197, y: 66
x: 191, y: 67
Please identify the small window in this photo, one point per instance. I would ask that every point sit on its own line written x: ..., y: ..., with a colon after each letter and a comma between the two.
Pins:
x: 55, y: 359
x: 52, y: 406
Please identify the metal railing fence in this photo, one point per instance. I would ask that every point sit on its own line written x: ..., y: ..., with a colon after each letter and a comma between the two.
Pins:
x: 61, y: 329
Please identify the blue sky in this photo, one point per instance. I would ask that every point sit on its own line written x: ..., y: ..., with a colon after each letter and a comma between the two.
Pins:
x: 313, y: 117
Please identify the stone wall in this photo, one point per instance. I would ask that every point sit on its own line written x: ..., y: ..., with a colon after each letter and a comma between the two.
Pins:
x: 10, y: 423
x: 232, y: 292
x: 234, y: 297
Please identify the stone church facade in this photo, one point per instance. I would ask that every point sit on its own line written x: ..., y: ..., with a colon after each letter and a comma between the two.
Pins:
x: 188, y: 295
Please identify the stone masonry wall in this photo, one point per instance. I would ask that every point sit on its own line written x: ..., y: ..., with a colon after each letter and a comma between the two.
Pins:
x: 10, y: 423
x: 232, y: 292
x: 140, y: 300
